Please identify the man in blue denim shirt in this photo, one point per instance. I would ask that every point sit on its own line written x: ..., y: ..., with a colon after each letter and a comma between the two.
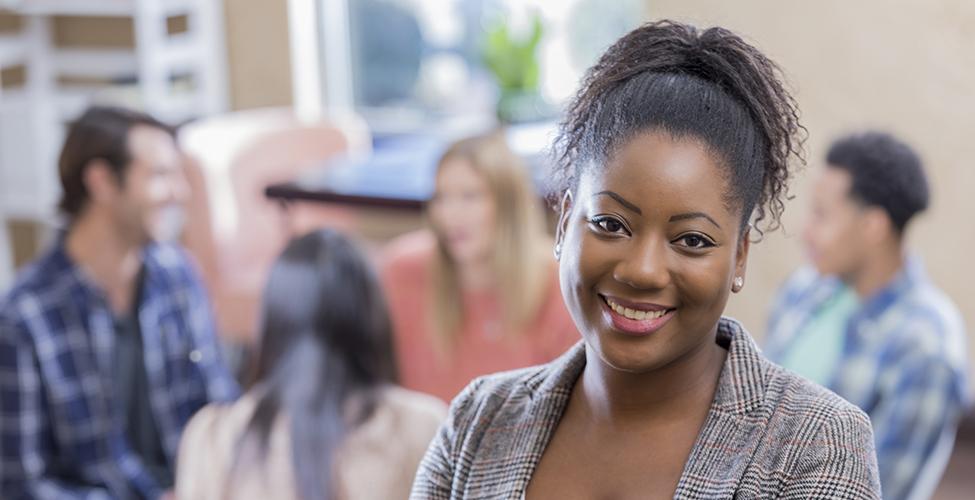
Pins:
x: 107, y: 344
x: 865, y: 320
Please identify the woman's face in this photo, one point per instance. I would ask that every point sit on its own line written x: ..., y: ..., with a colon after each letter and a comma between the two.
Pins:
x: 649, y: 252
x: 463, y: 212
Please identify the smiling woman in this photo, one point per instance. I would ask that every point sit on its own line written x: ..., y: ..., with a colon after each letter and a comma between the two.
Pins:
x: 679, y: 143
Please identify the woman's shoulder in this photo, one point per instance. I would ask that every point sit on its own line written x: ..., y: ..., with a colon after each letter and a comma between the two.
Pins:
x: 497, y: 388
x: 216, y: 428
x: 208, y: 445
x: 799, y: 399
x: 411, y: 250
x: 413, y: 406
x: 498, y: 398
x: 817, y: 429
x: 754, y: 383
x: 817, y: 437
x: 404, y: 266
x: 799, y: 430
x: 219, y: 421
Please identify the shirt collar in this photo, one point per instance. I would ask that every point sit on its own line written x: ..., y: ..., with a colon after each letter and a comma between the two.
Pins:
x: 911, y: 275
x: 59, y: 263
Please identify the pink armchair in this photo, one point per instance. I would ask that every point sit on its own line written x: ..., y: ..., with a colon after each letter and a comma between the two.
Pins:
x: 232, y: 229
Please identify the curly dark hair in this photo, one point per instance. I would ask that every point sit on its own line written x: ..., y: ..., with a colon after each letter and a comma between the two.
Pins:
x: 885, y: 173
x: 708, y: 84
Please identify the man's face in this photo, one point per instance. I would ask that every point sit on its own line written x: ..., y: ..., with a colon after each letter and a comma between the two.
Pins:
x: 149, y: 204
x: 834, y: 237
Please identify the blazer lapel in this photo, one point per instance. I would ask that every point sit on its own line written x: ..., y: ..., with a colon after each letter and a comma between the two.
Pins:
x: 511, y: 453
x: 733, y: 430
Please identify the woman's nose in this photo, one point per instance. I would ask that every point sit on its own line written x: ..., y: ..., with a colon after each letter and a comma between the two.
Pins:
x: 644, y: 266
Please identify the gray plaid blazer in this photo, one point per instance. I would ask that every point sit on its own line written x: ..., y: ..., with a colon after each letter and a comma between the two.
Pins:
x: 768, y: 434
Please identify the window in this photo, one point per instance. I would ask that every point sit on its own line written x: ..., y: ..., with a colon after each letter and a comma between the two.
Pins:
x: 407, y: 64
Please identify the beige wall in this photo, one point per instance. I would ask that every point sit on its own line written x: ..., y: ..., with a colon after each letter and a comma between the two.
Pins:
x: 259, y: 63
x: 907, y: 66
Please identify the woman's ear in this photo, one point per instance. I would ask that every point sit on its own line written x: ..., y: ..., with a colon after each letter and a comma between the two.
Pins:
x: 741, y: 259
x: 565, y: 208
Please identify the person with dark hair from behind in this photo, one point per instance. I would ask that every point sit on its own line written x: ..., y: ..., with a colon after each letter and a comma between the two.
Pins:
x: 107, y: 343
x: 679, y: 139
x: 865, y: 320
x: 324, y: 419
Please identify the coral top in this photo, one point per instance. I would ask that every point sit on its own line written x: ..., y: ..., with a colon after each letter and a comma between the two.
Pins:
x: 481, y: 346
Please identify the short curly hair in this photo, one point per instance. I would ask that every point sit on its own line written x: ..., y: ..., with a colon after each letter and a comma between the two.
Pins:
x: 708, y: 84
x: 885, y: 173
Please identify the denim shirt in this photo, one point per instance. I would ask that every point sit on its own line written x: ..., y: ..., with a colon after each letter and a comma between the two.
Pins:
x: 903, y: 362
x: 62, y: 433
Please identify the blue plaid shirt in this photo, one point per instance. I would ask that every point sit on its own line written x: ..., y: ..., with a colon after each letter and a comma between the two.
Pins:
x: 903, y: 362
x: 61, y: 431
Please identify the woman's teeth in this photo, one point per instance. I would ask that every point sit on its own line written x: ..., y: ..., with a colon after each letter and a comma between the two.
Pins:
x: 626, y: 312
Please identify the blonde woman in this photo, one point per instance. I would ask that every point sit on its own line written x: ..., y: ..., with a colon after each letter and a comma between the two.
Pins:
x: 478, y: 291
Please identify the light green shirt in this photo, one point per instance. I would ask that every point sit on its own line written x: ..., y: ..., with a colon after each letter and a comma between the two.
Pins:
x: 818, y: 346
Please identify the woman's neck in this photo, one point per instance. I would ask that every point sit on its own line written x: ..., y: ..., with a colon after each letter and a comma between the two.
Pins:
x: 681, y: 390
x: 476, y: 275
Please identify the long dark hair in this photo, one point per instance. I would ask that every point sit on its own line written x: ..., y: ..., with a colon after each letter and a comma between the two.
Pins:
x: 326, y: 348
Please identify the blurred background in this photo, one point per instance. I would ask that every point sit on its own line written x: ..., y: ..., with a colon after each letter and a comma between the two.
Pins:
x: 308, y: 113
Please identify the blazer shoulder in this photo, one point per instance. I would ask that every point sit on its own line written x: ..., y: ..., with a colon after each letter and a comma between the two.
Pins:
x: 486, y: 396
x: 806, y: 403
x: 824, y: 443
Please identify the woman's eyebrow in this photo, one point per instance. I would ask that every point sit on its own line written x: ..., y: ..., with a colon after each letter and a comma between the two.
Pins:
x: 694, y: 215
x: 622, y: 201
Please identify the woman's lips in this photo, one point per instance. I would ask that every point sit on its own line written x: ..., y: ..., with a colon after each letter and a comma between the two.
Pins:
x: 636, y: 318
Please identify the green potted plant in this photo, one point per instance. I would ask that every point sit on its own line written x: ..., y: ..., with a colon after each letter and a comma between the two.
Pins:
x: 513, y: 61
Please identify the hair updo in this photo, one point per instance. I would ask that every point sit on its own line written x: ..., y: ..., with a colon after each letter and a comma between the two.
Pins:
x: 707, y: 84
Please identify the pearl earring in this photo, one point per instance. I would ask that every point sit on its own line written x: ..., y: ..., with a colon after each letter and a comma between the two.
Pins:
x: 738, y: 284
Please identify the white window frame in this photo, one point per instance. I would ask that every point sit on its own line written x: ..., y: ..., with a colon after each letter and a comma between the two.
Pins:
x: 321, y: 66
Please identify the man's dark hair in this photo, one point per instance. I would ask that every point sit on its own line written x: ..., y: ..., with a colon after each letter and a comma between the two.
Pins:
x: 100, y: 133
x: 886, y: 173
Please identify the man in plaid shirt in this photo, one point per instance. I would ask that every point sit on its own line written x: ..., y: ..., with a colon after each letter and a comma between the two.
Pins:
x: 107, y: 344
x: 865, y: 320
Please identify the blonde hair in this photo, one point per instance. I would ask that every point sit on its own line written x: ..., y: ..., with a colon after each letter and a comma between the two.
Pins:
x: 519, y: 241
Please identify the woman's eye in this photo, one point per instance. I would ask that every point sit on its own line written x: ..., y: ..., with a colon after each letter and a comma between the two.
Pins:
x: 608, y: 224
x: 695, y: 241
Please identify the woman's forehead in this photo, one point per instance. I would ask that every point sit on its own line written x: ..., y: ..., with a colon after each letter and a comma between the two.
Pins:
x: 656, y: 168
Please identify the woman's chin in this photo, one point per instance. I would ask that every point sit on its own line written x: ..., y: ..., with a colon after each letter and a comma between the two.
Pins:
x: 628, y: 358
